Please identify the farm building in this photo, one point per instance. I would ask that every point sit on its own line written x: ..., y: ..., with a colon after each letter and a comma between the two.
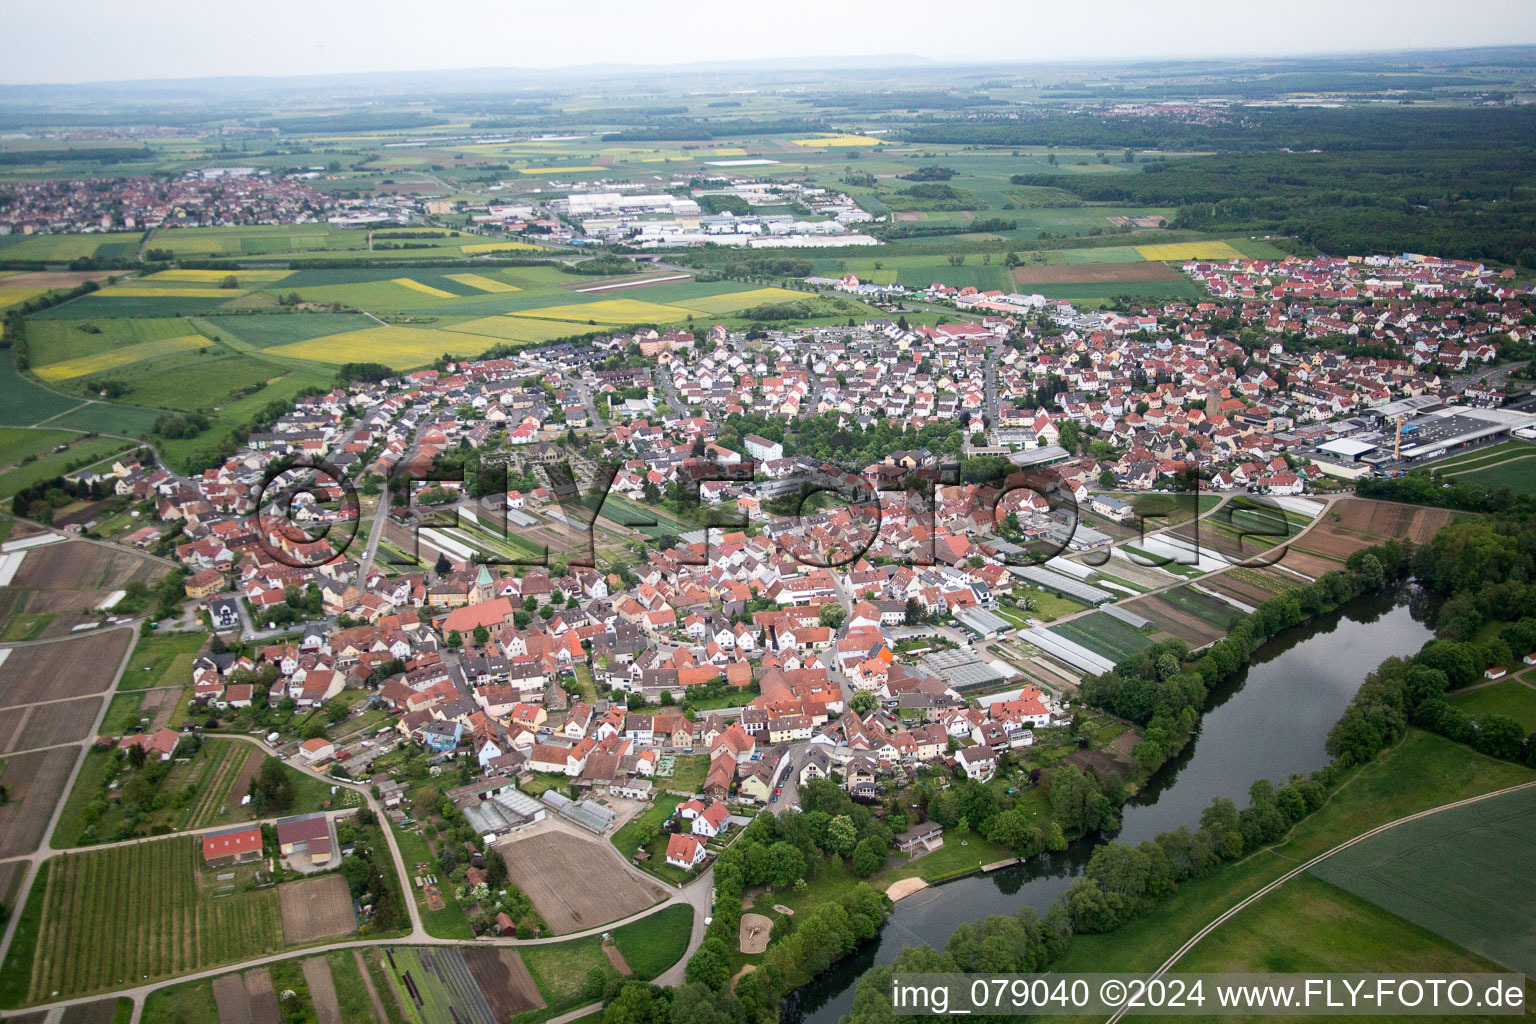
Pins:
x: 305, y: 841
x: 232, y: 846
x: 317, y: 749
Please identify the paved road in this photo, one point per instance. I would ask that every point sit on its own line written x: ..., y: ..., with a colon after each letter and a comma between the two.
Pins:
x: 695, y: 894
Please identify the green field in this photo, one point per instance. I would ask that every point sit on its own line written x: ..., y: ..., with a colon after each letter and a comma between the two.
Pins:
x: 264, y: 330
x: 1104, y: 635
x: 110, y: 418
x: 56, y: 341
x: 1519, y: 475
x: 1481, y: 456
x: 164, y: 659
x: 167, y: 916
x: 1091, y: 293
x: 1213, y: 610
x: 1310, y: 926
x: 1422, y: 771
x: 1463, y: 874
x: 439, y: 977
x: 17, y: 444
x: 24, y: 402
x: 63, y: 248
x: 81, y: 452
x: 1507, y: 697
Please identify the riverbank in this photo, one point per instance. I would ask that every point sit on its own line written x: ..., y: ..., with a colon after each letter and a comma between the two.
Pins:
x: 1422, y: 771
x: 1311, y: 671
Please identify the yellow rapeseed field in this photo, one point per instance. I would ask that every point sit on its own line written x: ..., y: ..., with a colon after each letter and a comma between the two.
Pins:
x: 113, y: 358
x: 732, y: 301
x: 485, y: 284
x: 399, y: 348
x: 16, y: 296
x: 838, y: 140
x: 518, y: 328
x: 611, y: 311
x: 479, y: 247
x: 1188, y: 251
x: 425, y: 289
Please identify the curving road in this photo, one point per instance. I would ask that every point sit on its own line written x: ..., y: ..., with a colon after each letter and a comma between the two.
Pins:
x: 695, y: 894
x: 1254, y: 897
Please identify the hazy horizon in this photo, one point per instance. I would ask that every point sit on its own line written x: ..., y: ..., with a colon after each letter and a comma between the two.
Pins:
x: 108, y: 44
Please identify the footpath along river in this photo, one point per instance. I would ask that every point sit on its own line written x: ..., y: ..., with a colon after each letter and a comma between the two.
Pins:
x: 1266, y: 723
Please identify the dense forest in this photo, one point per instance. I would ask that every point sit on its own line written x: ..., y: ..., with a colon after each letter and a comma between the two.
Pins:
x: 1475, y: 202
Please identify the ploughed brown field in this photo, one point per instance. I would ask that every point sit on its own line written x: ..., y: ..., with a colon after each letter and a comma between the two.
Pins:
x: 47, y: 725
x: 247, y: 999
x: 316, y: 908
x: 1078, y: 273
x: 504, y: 981
x: 35, y: 782
x: 58, y: 279
x: 322, y: 990
x: 1175, y: 621
x: 68, y: 668
x: 1361, y: 523
x: 574, y: 883
x: 100, y: 1012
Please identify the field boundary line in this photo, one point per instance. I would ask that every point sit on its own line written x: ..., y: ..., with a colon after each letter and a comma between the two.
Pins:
x: 1265, y: 890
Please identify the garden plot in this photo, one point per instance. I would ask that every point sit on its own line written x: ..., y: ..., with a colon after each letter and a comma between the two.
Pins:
x: 316, y: 908
x: 574, y: 883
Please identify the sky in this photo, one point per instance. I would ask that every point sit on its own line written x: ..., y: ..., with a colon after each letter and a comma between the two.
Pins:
x: 108, y: 40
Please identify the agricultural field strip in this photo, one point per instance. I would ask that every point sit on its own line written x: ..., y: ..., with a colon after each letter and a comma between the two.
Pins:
x: 1274, y: 884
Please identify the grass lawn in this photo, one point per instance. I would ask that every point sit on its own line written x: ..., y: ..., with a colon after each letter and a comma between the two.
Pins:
x: 1518, y: 474
x: 1309, y: 925
x: 1048, y: 606
x: 1505, y: 697
x: 560, y: 971
x: 16, y: 972
x: 78, y: 455
x: 627, y: 839
x: 962, y: 853
x: 448, y: 923
x: 544, y: 781
x: 26, y: 626
x: 583, y: 686
x: 653, y: 944
x: 1422, y: 771
x: 122, y: 714
x: 690, y: 770
x: 181, y: 1004
x: 164, y: 659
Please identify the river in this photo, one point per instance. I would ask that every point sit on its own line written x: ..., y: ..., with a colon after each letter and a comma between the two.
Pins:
x: 1267, y: 722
